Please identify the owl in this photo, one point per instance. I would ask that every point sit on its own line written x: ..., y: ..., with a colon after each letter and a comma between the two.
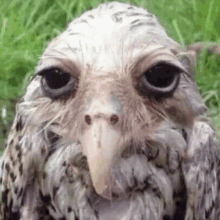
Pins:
x: 112, y: 126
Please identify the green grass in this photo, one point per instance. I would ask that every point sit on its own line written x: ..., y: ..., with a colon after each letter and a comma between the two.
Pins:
x: 27, y: 26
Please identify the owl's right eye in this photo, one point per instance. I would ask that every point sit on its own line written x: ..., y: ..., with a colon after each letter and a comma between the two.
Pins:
x: 56, y: 82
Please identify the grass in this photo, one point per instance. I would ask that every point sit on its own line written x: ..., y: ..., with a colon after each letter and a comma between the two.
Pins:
x: 27, y: 26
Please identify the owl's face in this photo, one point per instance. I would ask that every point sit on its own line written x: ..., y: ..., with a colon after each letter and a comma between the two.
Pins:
x: 108, y: 82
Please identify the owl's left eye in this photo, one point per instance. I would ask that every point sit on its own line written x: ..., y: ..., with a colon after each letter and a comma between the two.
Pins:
x: 56, y: 82
x: 160, y: 80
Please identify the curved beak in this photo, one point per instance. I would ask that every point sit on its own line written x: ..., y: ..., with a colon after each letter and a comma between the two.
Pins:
x: 100, y: 144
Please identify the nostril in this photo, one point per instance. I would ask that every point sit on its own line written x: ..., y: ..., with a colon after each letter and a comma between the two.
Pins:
x: 88, y: 119
x: 114, y: 119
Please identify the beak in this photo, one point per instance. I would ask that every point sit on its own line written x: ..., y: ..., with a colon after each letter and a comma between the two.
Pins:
x: 100, y: 144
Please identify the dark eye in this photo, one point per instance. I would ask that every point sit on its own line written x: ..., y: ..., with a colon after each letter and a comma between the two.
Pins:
x: 56, y: 82
x: 160, y: 80
x: 56, y: 78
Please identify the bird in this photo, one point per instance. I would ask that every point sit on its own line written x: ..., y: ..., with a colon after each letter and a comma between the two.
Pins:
x: 112, y: 126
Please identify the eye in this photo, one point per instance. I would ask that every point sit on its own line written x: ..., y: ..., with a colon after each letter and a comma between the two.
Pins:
x: 160, y: 80
x: 56, y: 78
x: 56, y: 82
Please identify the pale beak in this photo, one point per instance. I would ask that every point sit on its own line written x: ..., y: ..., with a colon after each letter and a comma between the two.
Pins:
x: 100, y: 144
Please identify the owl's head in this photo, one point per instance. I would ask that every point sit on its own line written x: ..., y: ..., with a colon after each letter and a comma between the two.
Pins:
x: 108, y: 82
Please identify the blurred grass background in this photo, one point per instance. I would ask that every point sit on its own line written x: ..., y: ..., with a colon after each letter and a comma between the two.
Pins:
x: 26, y: 26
